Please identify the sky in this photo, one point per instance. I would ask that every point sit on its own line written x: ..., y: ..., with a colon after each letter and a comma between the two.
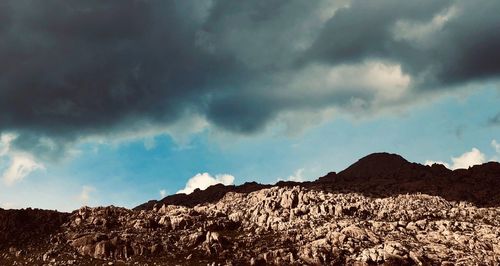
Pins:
x: 120, y: 102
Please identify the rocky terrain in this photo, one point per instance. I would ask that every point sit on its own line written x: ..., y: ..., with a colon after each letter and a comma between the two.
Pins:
x: 382, y: 210
x: 377, y: 175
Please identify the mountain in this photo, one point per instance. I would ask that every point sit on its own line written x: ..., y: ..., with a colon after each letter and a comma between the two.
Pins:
x: 382, y: 174
x: 211, y: 194
x: 382, y: 210
x: 28, y: 226
x: 378, y: 174
x: 391, y: 166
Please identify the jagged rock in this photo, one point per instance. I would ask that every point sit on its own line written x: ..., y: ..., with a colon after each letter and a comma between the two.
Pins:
x: 395, y: 249
x: 273, y: 226
x: 354, y: 232
x: 102, y: 249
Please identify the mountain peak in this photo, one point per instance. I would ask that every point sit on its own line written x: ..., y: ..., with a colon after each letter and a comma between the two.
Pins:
x: 378, y: 165
x: 382, y: 158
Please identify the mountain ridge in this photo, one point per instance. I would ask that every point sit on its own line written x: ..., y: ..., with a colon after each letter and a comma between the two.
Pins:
x: 381, y: 210
x: 375, y: 174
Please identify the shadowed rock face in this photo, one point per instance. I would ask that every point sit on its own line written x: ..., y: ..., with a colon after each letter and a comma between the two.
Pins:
x: 211, y: 194
x: 372, y: 213
x: 383, y: 174
x: 391, y: 166
x: 22, y: 227
x: 379, y: 175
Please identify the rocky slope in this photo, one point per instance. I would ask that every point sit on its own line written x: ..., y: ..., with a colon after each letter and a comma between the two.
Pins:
x: 326, y: 222
x: 377, y: 175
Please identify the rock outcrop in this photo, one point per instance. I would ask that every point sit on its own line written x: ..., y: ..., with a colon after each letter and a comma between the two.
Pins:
x: 281, y: 226
x: 287, y: 224
x: 376, y: 175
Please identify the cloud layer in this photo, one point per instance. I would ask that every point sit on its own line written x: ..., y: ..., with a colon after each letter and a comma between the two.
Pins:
x: 470, y: 158
x: 85, y: 195
x: 74, y: 69
x: 204, y: 180
x: 17, y: 165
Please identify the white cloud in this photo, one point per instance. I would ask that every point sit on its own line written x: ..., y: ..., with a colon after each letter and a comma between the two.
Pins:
x: 5, y: 140
x: 387, y: 80
x: 296, y: 177
x: 84, y: 196
x: 422, y: 33
x: 163, y: 193
x: 20, y: 164
x: 465, y: 160
x: 373, y: 85
x: 8, y: 205
x: 204, y: 180
x: 495, y: 145
x: 429, y: 162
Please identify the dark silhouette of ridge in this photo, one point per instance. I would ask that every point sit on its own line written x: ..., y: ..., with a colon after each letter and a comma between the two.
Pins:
x: 18, y: 227
x: 383, y: 174
x: 386, y: 165
x: 240, y: 233
x: 377, y: 175
x: 211, y: 194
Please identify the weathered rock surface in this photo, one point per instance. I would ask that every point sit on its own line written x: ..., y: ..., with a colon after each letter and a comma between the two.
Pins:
x: 282, y: 226
x: 279, y: 225
x: 376, y: 175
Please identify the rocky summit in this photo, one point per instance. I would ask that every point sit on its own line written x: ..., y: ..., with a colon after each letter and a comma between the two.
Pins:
x: 382, y: 210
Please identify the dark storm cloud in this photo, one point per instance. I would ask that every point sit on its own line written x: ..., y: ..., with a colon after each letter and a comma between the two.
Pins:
x: 70, y: 69
x: 461, y: 49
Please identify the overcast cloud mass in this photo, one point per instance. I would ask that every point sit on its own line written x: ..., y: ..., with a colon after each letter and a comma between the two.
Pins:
x: 77, y: 69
